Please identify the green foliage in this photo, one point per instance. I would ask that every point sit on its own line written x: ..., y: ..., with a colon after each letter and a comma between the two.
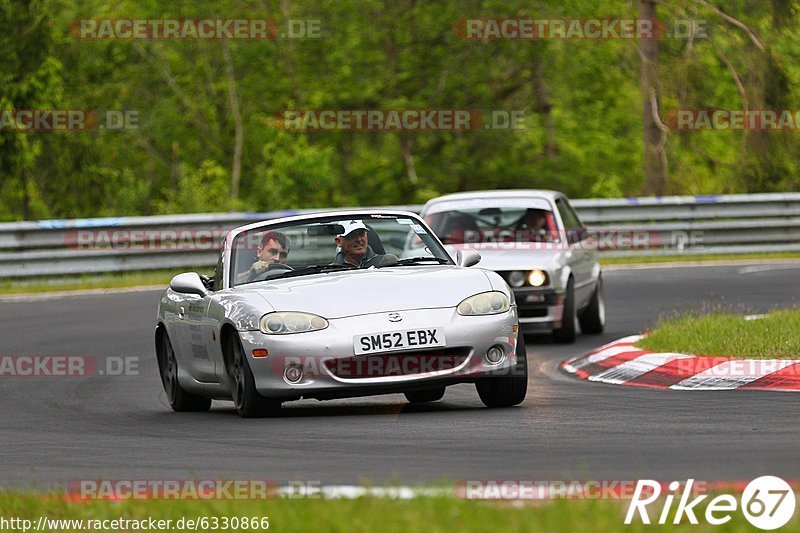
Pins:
x: 581, y: 101
x: 776, y: 336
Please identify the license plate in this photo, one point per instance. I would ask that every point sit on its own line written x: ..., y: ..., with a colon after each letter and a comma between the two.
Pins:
x: 409, y: 339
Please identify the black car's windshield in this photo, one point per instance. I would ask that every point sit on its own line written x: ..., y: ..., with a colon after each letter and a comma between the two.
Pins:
x: 512, y: 223
x: 331, y: 244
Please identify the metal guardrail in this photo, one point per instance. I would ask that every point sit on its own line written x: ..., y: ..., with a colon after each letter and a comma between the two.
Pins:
x: 675, y: 225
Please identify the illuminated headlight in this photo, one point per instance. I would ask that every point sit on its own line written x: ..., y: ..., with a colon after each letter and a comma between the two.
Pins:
x: 283, y: 323
x: 485, y: 303
x: 537, y: 278
x: 516, y: 278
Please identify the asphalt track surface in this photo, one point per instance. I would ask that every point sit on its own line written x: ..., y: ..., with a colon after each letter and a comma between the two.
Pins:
x: 54, y: 430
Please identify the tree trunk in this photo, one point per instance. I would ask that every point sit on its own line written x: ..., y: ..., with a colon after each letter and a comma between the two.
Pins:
x: 26, y: 198
x: 236, y: 171
x: 544, y: 107
x: 655, y: 172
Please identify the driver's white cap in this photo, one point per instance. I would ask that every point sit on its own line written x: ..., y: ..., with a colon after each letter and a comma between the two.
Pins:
x: 350, y: 226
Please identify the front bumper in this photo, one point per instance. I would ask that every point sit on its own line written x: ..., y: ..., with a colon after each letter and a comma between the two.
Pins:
x: 331, y: 369
x: 540, y: 310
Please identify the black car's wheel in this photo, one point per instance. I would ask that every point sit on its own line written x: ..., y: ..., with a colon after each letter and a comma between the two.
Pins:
x: 179, y: 399
x: 566, y: 333
x: 593, y: 318
x: 424, y: 396
x: 248, y: 402
x: 505, y: 391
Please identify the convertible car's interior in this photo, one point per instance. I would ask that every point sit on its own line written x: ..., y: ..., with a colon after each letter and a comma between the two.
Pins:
x: 313, y: 244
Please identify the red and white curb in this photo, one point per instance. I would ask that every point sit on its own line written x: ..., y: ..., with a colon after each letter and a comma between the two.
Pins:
x: 621, y: 363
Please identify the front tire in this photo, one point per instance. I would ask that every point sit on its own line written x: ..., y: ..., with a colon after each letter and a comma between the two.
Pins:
x: 180, y: 400
x: 566, y: 333
x: 507, y: 391
x: 593, y: 318
x: 248, y: 402
x: 425, y: 396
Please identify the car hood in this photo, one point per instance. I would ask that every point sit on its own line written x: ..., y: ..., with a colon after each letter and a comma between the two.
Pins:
x: 374, y: 290
x: 494, y: 257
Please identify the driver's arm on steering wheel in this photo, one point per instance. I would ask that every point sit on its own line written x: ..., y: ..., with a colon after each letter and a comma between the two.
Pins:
x: 254, y: 270
x: 257, y: 273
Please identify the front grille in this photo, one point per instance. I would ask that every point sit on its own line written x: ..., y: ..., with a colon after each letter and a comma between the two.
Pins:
x: 386, y: 365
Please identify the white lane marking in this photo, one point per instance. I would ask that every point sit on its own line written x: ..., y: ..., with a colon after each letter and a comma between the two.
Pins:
x: 636, y: 367
x: 630, y: 339
x: 355, y: 491
x: 733, y: 374
x: 766, y: 268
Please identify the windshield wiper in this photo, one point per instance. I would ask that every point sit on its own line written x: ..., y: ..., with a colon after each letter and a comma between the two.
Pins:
x: 415, y: 260
x: 315, y: 269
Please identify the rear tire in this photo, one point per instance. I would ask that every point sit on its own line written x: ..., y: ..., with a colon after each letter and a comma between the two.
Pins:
x: 566, y: 333
x: 248, y: 402
x: 425, y: 396
x: 507, y: 391
x: 180, y: 400
x: 593, y: 318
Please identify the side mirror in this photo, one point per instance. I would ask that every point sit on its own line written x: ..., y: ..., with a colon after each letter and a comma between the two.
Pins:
x: 188, y: 283
x: 467, y: 258
x: 576, y: 235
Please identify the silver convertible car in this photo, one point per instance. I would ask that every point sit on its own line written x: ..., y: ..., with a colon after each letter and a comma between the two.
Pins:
x: 323, y: 306
x: 536, y: 242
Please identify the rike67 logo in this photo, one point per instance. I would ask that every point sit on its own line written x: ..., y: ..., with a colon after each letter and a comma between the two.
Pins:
x: 767, y: 503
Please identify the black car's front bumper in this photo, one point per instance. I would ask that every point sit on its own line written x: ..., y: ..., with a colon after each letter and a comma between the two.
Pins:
x: 540, y: 310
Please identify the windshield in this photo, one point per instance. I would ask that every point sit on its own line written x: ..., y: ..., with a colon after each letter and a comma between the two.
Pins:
x: 330, y: 244
x: 494, y: 224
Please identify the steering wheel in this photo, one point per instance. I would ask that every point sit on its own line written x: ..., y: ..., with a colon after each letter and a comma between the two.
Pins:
x: 273, y: 271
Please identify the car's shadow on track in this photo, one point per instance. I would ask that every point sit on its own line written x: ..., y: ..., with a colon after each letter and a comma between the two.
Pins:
x: 340, y: 410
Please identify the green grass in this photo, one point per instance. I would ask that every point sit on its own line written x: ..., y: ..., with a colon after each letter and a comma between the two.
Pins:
x: 431, y: 514
x: 776, y: 336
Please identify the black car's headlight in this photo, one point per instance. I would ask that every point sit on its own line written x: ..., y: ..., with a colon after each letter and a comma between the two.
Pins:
x: 533, y: 278
x: 537, y: 278
x: 485, y: 303
x: 286, y: 322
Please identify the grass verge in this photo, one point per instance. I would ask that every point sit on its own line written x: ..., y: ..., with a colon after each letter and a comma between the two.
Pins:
x: 431, y: 514
x: 693, y: 258
x: 89, y: 281
x: 776, y: 336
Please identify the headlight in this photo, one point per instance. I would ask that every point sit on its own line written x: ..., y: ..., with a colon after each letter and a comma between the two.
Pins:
x: 485, y: 303
x: 516, y: 278
x: 286, y: 322
x: 537, y: 278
